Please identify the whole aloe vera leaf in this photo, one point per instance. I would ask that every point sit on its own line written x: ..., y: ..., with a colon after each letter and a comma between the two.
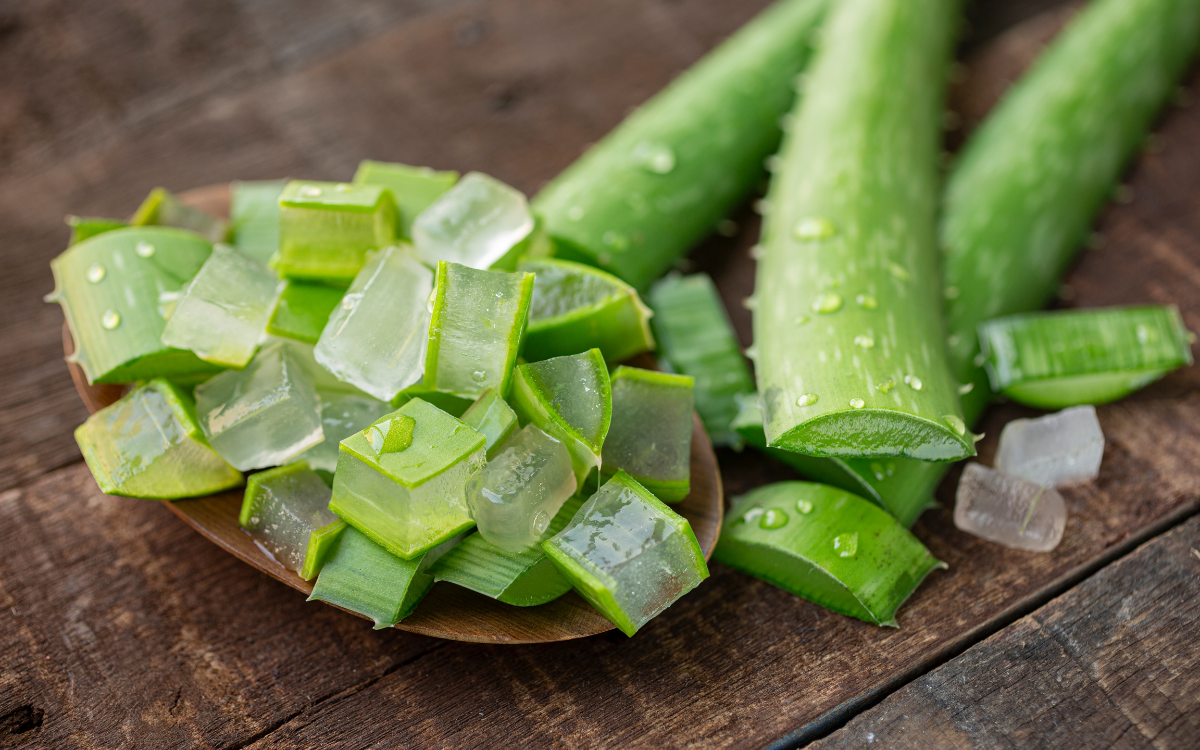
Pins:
x: 665, y: 177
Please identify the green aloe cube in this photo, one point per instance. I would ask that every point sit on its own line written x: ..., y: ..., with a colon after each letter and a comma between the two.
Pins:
x: 254, y: 217
x: 650, y: 437
x: 303, y: 310
x: 286, y: 510
x: 326, y: 229
x: 491, y: 416
x: 413, y: 188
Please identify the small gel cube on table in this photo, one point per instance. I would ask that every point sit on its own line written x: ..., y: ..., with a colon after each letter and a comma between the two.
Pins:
x: 492, y: 417
x: 263, y: 415
x: 629, y: 555
x: 650, y: 437
x: 475, y: 223
x: 520, y: 490
x: 1053, y: 450
x: 1009, y: 510
x: 286, y: 510
x: 224, y: 309
x: 326, y: 229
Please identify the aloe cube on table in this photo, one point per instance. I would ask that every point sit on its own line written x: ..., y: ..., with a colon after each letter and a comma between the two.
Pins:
x: 263, y: 415
x: 86, y: 227
x: 326, y: 229
x: 342, y: 414
x: 475, y: 330
x: 492, y: 417
x: 650, y: 437
x: 148, y: 445
x: 570, y: 399
x: 476, y: 223
x: 162, y: 208
x: 1052, y: 450
x: 224, y: 309
x: 825, y: 545
x: 254, y: 217
x: 413, y: 498
x: 629, y: 555
x: 413, y: 188
x: 303, y: 310
x: 108, y: 287
x: 524, y: 579
x: 376, y: 338
x: 286, y: 509
x: 576, y: 307
x: 696, y: 338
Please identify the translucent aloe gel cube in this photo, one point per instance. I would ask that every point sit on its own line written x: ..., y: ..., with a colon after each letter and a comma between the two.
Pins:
x: 263, y: 415
x: 326, y: 229
x: 475, y: 223
x: 1009, y: 510
x: 650, y: 437
x: 283, y: 508
x: 414, y: 188
x: 1053, y: 450
x: 342, y: 415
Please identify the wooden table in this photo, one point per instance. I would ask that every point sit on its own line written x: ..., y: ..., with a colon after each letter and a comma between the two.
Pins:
x: 120, y: 627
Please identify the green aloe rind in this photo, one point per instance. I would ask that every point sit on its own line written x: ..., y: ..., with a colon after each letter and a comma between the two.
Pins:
x: 326, y: 229
x: 303, y: 309
x: 650, y: 435
x: 162, y: 208
x: 254, y: 217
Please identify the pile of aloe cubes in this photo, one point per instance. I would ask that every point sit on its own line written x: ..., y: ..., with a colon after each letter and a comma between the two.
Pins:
x: 422, y: 392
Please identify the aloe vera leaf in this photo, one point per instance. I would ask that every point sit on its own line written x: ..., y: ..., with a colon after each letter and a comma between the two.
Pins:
x: 650, y: 437
x: 665, y: 177
x: 413, y: 499
x: 162, y: 208
x: 108, y: 287
x: 524, y: 579
x: 847, y: 319
x: 492, y: 417
x: 828, y: 546
x: 413, y: 188
x: 629, y: 555
x: 326, y: 229
x: 86, y: 227
x: 697, y: 339
x: 476, y: 329
x: 1053, y: 360
x: 282, y: 508
x: 303, y: 310
x: 570, y: 399
x: 254, y: 217
x: 149, y: 445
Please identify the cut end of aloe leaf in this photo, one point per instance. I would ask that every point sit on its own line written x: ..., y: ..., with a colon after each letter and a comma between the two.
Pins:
x: 859, y: 433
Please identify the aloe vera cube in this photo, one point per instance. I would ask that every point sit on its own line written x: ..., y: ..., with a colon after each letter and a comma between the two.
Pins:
x: 322, y: 543
x: 85, y: 227
x: 493, y: 418
x: 162, y: 208
x: 475, y: 329
x: 326, y: 229
x: 650, y: 437
x: 413, y: 188
x: 413, y: 499
x: 224, y: 309
x: 1053, y: 450
x: 525, y: 579
x: 109, y: 289
x: 263, y: 415
x: 303, y: 310
x: 1009, y: 510
x: 576, y: 307
x: 363, y: 577
x: 254, y: 217
x: 570, y: 399
x: 455, y: 406
x: 628, y: 554
x: 375, y: 339
x: 342, y: 415
x: 476, y: 223
x: 825, y: 545
x: 696, y: 338
x: 513, y: 499
x: 282, y: 509
x: 149, y: 445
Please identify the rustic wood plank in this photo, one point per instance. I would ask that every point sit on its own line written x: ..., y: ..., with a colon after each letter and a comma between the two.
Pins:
x: 1112, y: 663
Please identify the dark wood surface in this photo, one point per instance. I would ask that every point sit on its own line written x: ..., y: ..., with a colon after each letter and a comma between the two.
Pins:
x: 121, y: 627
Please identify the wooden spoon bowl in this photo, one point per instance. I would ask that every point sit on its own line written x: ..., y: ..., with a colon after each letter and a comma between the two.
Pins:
x: 447, y: 611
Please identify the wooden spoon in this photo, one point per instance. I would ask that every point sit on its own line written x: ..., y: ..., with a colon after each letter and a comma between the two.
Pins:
x: 447, y: 611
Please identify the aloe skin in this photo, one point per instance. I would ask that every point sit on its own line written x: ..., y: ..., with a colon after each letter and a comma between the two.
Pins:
x: 847, y: 323
x: 162, y: 208
x: 662, y: 180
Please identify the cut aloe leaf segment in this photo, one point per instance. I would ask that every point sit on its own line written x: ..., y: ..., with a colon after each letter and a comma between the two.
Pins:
x: 303, y: 310
x: 85, y: 227
x: 650, y: 437
x: 322, y: 543
x: 283, y: 509
x: 523, y: 580
x: 492, y: 417
x: 827, y: 546
x: 570, y: 399
x: 109, y: 288
x: 326, y: 229
x: 149, y: 445
x: 1052, y: 360
x: 696, y: 338
x: 413, y: 188
x: 576, y: 307
x: 254, y: 217
x: 161, y: 208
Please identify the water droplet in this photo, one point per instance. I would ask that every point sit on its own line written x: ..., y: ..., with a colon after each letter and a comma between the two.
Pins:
x: 144, y: 249
x: 912, y: 381
x: 575, y: 213
x: 827, y: 302
x: 865, y: 341
x: 807, y: 399
x: 802, y: 319
x: 1146, y: 335
x: 428, y: 300
x: 343, y: 187
x: 966, y: 388
x: 813, y: 228
x: 479, y: 376
x: 773, y: 518
x: 899, y: 271
x: 757, y: 252
x: 110, y: 319
x: 951, y: 292
x: 541, y: 521
x: 750, y: 303
x: 857, y: 403
x: 96, y: 272
x: 877, y: 470
x: 753, y: 515
x: 955, y: 423
x: 866, y: 302
x: 804, y: 506
x: 254, y: 520
x: 615, y: 240
x: 310, y: 191
x: 654, y: 157
x: 846, y: 544
x: 886, y: 386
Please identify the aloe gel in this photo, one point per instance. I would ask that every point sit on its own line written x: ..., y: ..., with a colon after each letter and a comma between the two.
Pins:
x: 650, y: 437
x: 326, y: 229
x: 493, y: 418
x: 283, y: 508
x: 476, y: 223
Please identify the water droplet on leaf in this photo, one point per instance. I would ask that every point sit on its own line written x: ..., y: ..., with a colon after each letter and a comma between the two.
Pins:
x: 110, y: 319
x: 96, y: 273
x: 804, y: 506
x: 866, y: 302
x: 827, y: 302
x: 144, y: 249
x: 955, y: 423
x: 813, y: 228
x: 807, y: 399
x: 857, y: 403
x: 866, y: 342
x: 773, y: 518
x: 846, y: 544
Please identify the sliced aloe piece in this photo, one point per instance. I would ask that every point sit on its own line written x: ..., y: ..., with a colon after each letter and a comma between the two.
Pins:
x: 570, y: 399
x: 303, y: 310
x: 108, y: 287
x: 1053, y: 360
x: 161, y: 208
x: 326, y: 229
x: 282, y: 509
x: 414, y: 188
x: 650, y: 437
x: 525, y: 579
x: 254, y: 217
x: 493, y: 418
x: 577, y: 307
x: 455, y: 406
x: 480, y: 223
x: 827, y: 546
x: 85, y: 227
x: 322, y: 543
x: 149, y: 445
x: 475, y: 331
x: 343, y: 413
